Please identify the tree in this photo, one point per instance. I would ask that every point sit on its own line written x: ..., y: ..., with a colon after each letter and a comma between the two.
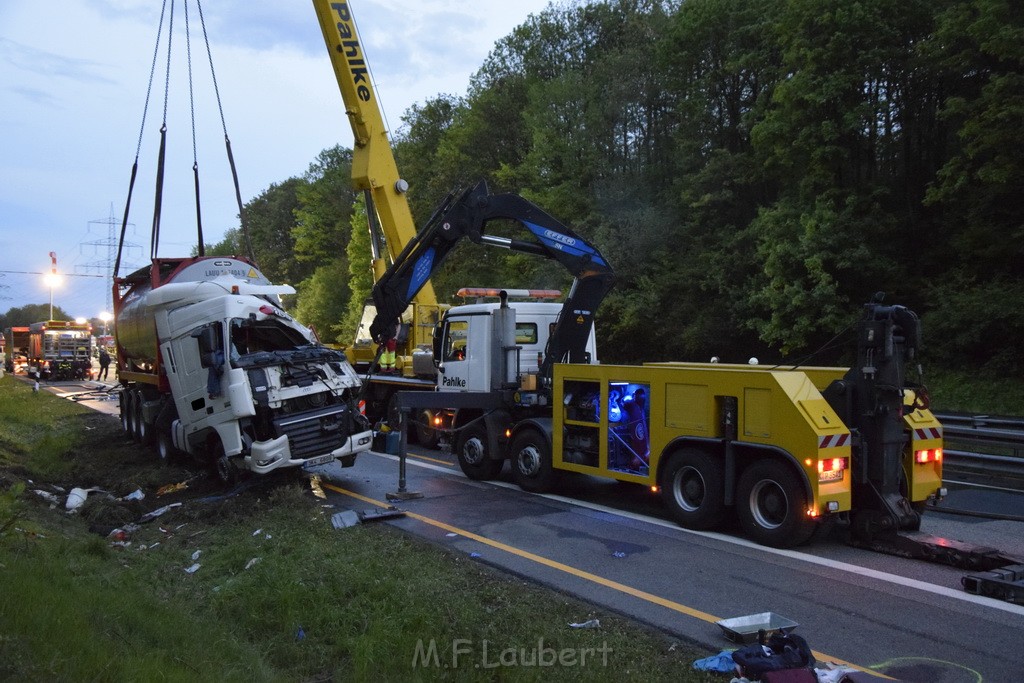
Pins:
x: 978, y: 50
x: 360, y: 280
x: 271, y: 217
x: 832, y: 138
x: 321, y: 234
x: 323, y: 299
x: 31, y: 313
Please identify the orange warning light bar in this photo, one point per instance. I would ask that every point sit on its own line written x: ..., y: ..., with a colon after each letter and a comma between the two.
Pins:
x: 467, y: 292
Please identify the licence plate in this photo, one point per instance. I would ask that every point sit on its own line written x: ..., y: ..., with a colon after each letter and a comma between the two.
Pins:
x: 319, y: 460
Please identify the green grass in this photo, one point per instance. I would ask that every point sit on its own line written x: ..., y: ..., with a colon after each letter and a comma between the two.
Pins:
x: 962, y: 391
x: 36, y: 430
x: 366, y: 598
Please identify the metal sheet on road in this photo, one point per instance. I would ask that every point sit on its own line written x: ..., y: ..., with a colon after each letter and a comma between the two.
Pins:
x: 682, y: 581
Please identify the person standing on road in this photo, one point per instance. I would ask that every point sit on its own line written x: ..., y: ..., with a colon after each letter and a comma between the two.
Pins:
x: 104, y: 364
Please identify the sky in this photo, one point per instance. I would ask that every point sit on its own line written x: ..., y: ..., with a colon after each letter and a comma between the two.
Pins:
x: 73, y: 84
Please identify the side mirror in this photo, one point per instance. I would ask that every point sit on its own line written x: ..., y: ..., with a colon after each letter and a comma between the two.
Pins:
x: 436, y: 343
x: 209, y: 346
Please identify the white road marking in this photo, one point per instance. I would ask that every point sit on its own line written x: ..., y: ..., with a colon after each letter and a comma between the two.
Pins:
x: 792, y: 554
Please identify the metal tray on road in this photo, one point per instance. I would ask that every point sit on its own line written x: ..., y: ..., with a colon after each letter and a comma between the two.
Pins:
x: 745, y: 629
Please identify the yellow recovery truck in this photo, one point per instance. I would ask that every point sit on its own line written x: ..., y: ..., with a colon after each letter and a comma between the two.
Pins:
x: 762, y: 443
x: 781, y: 449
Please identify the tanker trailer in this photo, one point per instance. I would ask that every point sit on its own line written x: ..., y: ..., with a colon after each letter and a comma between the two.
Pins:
x: 211, y: 365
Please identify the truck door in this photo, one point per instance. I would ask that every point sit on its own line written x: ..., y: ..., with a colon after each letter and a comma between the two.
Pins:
x: 465, y: 355
x: 192, y: 372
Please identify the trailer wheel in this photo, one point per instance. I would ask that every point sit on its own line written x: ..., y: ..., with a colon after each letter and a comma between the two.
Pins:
x: 131, y: 398
x: 771, y: 505
x: 143, y: 430
x: 693, y: 488
x: 531, y: 462
x: 123, y: 404
x: 472, y: 453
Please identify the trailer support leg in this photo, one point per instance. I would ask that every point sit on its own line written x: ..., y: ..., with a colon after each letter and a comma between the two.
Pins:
x: 403, y: 493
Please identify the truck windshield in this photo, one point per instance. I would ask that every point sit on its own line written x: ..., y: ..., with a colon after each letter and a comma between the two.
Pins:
x: 254, y: 336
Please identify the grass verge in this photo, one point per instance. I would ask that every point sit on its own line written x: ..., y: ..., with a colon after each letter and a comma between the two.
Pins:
x: 279, y: 593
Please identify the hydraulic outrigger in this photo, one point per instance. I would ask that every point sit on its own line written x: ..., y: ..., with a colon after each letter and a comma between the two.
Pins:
x: 871, y: 395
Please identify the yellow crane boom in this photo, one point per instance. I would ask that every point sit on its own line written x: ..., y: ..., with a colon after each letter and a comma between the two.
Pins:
x: 373, y: 164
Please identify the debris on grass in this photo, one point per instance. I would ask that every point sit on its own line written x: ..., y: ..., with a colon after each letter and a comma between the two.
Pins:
x: 172, y: 488
x: 592, y: 623
x: 344, y: 519
x: 51, y: 498
x: 159, y: 511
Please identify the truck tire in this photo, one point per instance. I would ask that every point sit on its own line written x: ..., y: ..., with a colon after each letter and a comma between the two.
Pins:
x: 143, y: 430
x: 771, y: 505
x: 531, y: 462
x: 425, y: 435
x: 472, y: 453
x: 131, y: 398
x: 693, y: 488
x: 165, y: 450
x: 122, y: 402
x: 225, y: 470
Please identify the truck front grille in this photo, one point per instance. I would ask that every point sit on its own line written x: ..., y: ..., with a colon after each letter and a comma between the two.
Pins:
x: 315, y: 432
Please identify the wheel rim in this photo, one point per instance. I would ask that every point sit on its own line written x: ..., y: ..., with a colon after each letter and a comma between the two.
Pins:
x: 125, y: 413
x: 688, y: 488
x: 528, y: 461
x: 769, y: 504
x: 163, y: 447
x: 225, y: 470
x: 473, y: 450
x: 133, y: 416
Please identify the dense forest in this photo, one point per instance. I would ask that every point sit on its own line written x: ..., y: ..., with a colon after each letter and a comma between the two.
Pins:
x: 754, y: 170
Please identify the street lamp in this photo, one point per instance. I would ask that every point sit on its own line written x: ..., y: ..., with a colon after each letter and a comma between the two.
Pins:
x: 52, y: 279
x: 105, y: 318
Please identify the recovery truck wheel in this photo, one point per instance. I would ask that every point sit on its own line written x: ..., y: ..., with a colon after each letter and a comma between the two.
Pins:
x: 531, y: 462
x: 693, y: 488
x: 425, y: 434
x: 472, y: 453
x: 771, y: 505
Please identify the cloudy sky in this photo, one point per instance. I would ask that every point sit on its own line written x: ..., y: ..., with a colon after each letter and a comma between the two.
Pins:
x: 73, y: 79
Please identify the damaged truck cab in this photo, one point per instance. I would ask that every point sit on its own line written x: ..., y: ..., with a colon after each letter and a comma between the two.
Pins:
x: 211, y: 365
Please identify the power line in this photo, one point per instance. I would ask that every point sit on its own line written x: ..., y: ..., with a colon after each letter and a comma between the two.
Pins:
x: 105, y: 265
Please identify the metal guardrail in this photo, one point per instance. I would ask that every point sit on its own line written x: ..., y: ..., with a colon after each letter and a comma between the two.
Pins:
x: 984, y: 431
x: 1012, y: 424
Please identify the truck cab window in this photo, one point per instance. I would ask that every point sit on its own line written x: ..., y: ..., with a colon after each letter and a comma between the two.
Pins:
x: 456, y: 333
x: 249, y: 336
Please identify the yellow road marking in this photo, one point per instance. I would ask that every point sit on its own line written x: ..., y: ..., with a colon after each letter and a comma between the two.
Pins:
x: 579, y: 573
x: 423, y: 457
